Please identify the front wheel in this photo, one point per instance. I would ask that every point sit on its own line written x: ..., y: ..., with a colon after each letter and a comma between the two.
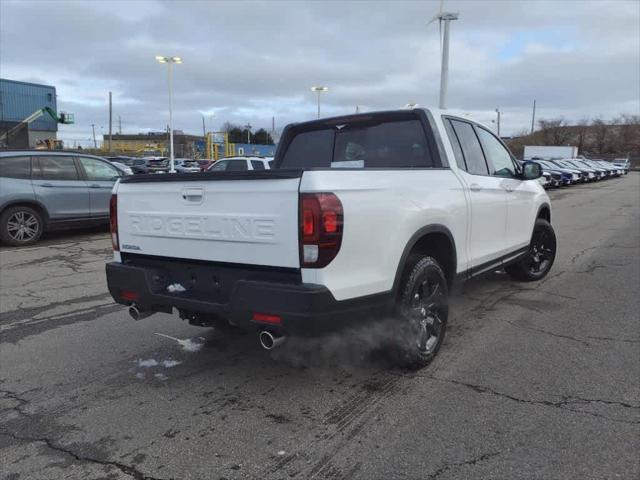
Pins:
x: 423, y: 309
x: 539, y: 259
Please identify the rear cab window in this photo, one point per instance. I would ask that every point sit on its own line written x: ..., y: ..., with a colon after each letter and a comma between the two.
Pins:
x: 16, y: 167
x: 385, y: 141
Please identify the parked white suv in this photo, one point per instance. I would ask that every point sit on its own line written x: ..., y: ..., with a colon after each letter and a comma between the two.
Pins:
x: 367, y: 216
x: 241, y: 164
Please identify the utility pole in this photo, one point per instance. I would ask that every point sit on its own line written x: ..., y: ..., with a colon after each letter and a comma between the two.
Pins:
x: 444, y: 72
x: 533, y: 116
x: 204, y: 128
x: 498, y: 112
x: 445, y: 17
x: 110, y: 121
x: 93, y: 128
x: 248, y: 127
x: 119, y: 125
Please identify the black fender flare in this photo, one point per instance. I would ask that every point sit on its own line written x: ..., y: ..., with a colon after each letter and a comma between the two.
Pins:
x: 434, y: 228
x: 544, y: 206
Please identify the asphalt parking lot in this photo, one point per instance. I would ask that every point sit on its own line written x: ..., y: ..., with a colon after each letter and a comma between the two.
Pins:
x: 535, y: 380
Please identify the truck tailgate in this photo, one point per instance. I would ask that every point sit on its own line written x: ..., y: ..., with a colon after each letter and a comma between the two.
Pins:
x: 247, y: 218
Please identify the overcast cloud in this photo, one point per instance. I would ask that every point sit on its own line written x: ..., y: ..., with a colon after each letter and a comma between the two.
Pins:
x: 246, y: 61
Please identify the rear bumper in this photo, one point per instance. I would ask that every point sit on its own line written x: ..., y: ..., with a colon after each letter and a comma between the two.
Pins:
x: 304, y: 309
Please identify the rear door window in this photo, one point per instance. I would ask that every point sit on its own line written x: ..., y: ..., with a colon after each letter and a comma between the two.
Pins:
x: 455, y: 144
x: 56, y: 167
x: 15, y: 167
x: 237, y: 166
x: 361, y: 144
x: 471, y: 149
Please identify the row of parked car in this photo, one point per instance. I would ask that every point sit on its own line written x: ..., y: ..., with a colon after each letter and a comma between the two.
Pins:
x: 561, y: 172
x: 43, y: 190
x: 135, y: 165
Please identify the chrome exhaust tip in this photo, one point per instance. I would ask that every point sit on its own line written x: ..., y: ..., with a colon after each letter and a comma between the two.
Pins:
x: 138, y: 314
x: 269, y: 341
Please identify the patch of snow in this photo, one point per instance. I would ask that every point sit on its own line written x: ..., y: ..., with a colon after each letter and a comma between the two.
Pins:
x: 140, y: 376
x: 161, y: 376
x: 147, y: 363
x: 176, y: 287
x: 282, y: 453
x: 170, y: 363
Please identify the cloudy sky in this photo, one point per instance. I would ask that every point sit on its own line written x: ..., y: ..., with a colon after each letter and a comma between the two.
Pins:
x: 248, y: 61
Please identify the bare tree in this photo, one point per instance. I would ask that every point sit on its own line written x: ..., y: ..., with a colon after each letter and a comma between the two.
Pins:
x: 554, y: 131
x: 600, y: 131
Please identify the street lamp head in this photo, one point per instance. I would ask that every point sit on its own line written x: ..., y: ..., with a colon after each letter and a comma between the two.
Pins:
x: 319, y: 89
x: 162, y: 59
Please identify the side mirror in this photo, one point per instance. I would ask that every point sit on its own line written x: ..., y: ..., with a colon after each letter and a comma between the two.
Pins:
x: 531, y: 171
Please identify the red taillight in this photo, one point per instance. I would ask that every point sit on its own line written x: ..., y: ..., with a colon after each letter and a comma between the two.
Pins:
x: 113, y: 221
x: 129, y: 295
x: 321, y: 219
x: 266, y: 318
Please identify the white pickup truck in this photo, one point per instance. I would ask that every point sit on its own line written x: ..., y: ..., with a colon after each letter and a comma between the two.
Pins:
x: 373, y: 215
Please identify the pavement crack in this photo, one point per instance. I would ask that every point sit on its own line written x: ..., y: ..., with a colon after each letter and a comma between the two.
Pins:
x: 473, y: 461
x: 547, y: 332
x: 564, y: 403
x: 126, y: 469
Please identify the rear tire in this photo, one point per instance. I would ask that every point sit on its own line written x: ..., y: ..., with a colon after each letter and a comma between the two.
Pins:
x: 422, y: 308
x: 539, y: 259
x: 20, y: 226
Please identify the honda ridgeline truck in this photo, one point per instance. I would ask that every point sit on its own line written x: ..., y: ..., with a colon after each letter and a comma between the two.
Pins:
x: 372, y: 215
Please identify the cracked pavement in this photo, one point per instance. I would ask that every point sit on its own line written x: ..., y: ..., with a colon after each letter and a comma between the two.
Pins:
x: 535, y: 380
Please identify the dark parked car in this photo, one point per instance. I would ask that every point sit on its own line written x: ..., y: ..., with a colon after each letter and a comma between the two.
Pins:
x: 42, y: 190
x: 137, y: 165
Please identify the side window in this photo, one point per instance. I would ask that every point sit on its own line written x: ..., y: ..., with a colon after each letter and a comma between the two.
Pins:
x: 237, y: 166
x: 15, y: 167
x: 97, y: 170
x: 257, y: 165
x: 457, y: 152
x: 55, y: 167
x: 220, y: 165
x: 499, y: 157
x: 471, y: 149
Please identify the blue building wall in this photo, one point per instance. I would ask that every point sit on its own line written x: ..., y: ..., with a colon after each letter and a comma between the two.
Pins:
x: 18, y: 100
x: 249, y: 149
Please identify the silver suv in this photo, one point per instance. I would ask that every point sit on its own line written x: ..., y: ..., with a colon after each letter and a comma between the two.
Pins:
x: 43, y: 190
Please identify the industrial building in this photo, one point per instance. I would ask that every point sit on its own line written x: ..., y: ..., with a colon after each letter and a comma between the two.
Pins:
x: 19, y: 100
x: 154, y: 143
x: 184, y: 145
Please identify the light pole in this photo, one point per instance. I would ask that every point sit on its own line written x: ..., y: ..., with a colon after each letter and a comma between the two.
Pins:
x: 447, y: 18
x: 319, y: 90
x: 248, y: 127
x: 498, y: 124
x: 170, y: 61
